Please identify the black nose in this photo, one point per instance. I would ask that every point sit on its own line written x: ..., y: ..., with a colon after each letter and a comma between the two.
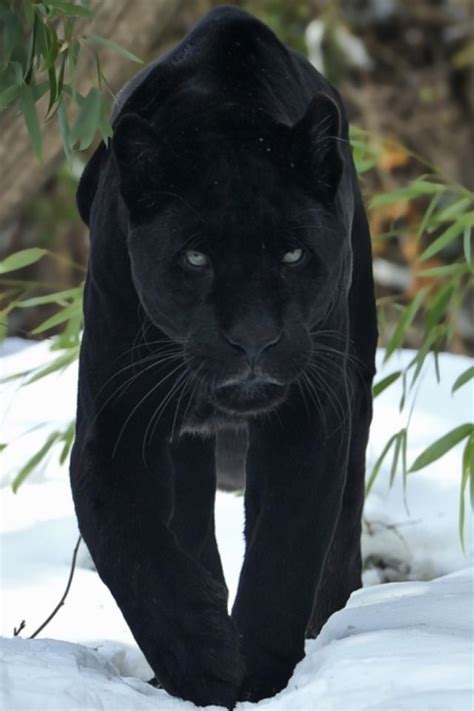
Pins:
x: 253, y: 346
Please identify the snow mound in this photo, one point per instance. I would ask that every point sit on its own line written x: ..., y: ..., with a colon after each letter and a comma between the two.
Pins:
x: 400, y: 646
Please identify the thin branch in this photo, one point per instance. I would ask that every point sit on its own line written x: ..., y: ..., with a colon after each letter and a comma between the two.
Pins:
x: 17, y: 630
x: 63, y: 598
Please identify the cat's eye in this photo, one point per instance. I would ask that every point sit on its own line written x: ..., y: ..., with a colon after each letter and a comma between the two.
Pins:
x: 293, y: 257
x: 196, y: 259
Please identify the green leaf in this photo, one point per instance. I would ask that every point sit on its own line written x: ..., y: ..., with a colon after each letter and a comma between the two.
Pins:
x: 385, y: 382
x: 438, y: 305
x: 467, y: 244
x: 434, y: 335
x: 427, y: 216
x: 87, y: 120
x: 404, y: 323
x: 57, y: 364
x: 34, y: 461
x: 58, y: 297
x: 69, y: 9
x: 446, y: 270
x: 68, y: 439
x: 378, y: 464
x: 441, y: 446
x: 8, y: 95
x: 101, y: 41
x: 467, y: 475
x: 28, y: 109
x: 64, y: 128
x: 465, y: 222
x: 11, y: 34
x: 458, y: 207
x: 463, y: 379
x: 415, y: 189
x: 21, y: 259
x: 398, y: 445
x: 65, y: 314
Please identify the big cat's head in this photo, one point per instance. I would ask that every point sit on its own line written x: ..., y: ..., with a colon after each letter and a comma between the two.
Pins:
x: 238, y: 251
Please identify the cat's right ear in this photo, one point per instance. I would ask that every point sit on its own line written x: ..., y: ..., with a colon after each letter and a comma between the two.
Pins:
x: 135, y: 145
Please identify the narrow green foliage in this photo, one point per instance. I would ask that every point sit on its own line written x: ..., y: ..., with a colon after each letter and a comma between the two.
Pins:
x: 108, y: 44
x: 21, y: 259
x: 404, y: 323
x: 66, y: 313
x: 441, y: 446
x: 28, y: 109
x: 65, y: 437
x: 378, y: 464
x: 34, y: 461
x: 87, y: 120
x: 463, y: 379
x: 41, y: 44
x: 399, y: 445
x: 385, y: 382
x: 463, y: 224
x: 467, y: 477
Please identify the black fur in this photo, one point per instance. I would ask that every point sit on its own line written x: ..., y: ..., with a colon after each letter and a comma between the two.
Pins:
x: 234, y: 147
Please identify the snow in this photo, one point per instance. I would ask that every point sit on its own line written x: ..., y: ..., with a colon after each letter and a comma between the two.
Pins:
x: 398, y: 646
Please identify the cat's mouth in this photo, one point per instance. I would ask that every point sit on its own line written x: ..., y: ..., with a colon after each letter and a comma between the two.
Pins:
x: 251, y: 396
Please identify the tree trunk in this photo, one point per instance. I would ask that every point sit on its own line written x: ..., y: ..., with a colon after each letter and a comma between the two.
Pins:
x: 146, y: 28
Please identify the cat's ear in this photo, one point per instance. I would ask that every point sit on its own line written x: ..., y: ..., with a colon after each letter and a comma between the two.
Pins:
x: 315, y: 146
x: 136, y: 149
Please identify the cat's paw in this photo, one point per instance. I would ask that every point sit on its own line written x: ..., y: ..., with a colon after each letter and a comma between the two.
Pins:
x: 203, y: 664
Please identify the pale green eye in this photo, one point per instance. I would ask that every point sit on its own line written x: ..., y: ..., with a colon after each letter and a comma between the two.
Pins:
x: 196, y: 259
x: 292, y: 257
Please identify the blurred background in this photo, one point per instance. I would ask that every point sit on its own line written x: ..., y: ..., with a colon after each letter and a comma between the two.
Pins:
x: 405, y: 71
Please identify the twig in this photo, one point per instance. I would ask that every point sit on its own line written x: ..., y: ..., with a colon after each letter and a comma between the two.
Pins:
x: 63, y: 598
x: 17, y: 630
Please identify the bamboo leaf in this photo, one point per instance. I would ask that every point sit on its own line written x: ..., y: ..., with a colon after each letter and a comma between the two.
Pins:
x: 28, y: 109
x: 69, y: 9
x: 467, y: 476
x: 378, y: 464
x: 8, y: 95
x: 404, y: 323
x: 396, y: 455
x: 68, y: 438
x: 427, y: 216
x: 438, y: 306
x: 101, y: 41
x: 441, y: 446
x: 458, y: 207
x: 87, y: 120
x: 463, y: 379
x: 58, y: 297
x: 385, y: 383
x: 34, y: 461
x: 436, y: 333
x: 467, y: 243
x: 57, y: 364
x: 416, y: 188
x: 446, y: 270
x: 21, y: 259
x: 66, y: 313
x: 465, y: 222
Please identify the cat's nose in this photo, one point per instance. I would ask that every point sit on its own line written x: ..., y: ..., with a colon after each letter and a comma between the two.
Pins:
x: 253, y: 346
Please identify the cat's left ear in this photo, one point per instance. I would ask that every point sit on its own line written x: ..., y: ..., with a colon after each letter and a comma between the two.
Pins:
x: 136, y: 148
x: 315, y: 146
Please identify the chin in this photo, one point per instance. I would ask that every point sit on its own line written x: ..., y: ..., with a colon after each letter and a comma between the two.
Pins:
x: 245, y: 401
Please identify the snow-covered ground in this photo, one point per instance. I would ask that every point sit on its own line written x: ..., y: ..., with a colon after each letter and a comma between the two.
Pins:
x: 399, y: 646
